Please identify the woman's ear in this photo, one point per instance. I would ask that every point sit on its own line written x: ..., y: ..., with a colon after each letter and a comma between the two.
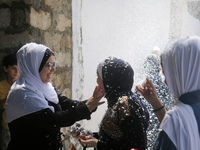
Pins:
x: 5, y: 69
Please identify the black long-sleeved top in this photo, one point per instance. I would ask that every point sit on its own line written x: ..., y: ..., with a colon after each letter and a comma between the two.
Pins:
x: 127, y: 119
x: 41, y: 130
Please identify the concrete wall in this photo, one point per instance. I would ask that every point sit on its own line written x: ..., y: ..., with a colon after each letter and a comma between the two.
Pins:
x: 128, y: 29
x: 48, y: 22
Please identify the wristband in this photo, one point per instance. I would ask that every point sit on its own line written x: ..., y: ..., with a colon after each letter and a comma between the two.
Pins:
x: 155, y: 110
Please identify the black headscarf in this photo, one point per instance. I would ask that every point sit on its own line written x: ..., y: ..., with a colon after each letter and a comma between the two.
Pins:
x: 47, y: 54
x: 117, y: 78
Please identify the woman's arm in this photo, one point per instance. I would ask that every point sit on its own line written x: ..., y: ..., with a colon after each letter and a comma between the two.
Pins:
x: 92, y: 103
x: 71, y: 111
x: 147, y: 89
x: 47, y: 118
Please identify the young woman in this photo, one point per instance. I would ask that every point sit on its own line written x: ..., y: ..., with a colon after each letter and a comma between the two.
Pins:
x: 152, y: 70
x: 180, y: 126
x: 125, y: 121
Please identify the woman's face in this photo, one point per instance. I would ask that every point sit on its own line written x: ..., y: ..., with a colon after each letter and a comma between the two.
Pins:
x: 48, y: 70
x: 100, y: 82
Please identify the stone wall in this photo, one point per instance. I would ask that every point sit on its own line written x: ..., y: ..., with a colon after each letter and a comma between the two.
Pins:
x: 48, y: 22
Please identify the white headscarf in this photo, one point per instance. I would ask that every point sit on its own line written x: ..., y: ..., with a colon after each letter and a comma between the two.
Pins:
x: 99, y: 68
x: 181, y: 127
x: 28, y: 93
x: 181, y: 62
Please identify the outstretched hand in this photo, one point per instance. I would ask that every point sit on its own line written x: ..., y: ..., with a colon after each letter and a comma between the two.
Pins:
x: 148, y: 91
x: 94, y: 101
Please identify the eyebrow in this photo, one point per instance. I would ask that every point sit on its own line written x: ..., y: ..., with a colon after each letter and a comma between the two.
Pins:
x: 51, y: 61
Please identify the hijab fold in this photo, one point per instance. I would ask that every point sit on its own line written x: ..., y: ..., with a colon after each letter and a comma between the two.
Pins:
x: 29, y: 94
x: 180, y: 62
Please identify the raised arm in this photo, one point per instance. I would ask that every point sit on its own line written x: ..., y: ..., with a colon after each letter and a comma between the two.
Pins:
x: 148, y: 91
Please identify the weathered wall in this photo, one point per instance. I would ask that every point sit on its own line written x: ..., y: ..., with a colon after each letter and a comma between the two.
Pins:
x: 48, y: 22
x: 124, y: 29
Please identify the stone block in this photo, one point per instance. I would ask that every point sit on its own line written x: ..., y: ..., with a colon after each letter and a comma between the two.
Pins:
x: 5, y: 17
x: 66, y: 42
x: 56, y: 5
x: 62, y: 79
x: 40, y: 19
x: 67, y: 8
x: 15, y: 40
x: 52, y: 40
x: 28, y: 2
x: 62, y: 22
x: 64, y: 59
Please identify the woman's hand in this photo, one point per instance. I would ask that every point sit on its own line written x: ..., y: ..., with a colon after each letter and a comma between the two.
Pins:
x: 88, y: 141
x: 148, y: 90
x: 94, y: 101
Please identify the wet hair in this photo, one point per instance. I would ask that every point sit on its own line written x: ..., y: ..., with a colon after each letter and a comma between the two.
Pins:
x: 10, y: 60
x: 47, y: 54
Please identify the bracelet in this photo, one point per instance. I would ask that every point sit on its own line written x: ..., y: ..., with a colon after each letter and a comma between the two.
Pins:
x: 158, y: 109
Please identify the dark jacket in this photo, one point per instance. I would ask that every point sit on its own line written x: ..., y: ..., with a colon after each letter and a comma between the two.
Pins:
x: 41, y: 130
x: 124, y: 130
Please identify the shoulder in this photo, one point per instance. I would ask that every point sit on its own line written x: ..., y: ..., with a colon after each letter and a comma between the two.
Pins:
x: 163, y: 142
x: 2, y: 81
x: 4, y: 89
x: 23, y: 94
x: 19, y: 94
x: 24, y: 102
x: 4, y: 84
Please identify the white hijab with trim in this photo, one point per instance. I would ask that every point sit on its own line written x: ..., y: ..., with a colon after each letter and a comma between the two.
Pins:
x: 99, y: 68
x: 180, y: 63
x: 28, y: 94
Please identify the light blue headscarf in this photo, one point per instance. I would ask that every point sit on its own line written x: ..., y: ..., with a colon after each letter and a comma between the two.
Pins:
x: 29, y: 94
